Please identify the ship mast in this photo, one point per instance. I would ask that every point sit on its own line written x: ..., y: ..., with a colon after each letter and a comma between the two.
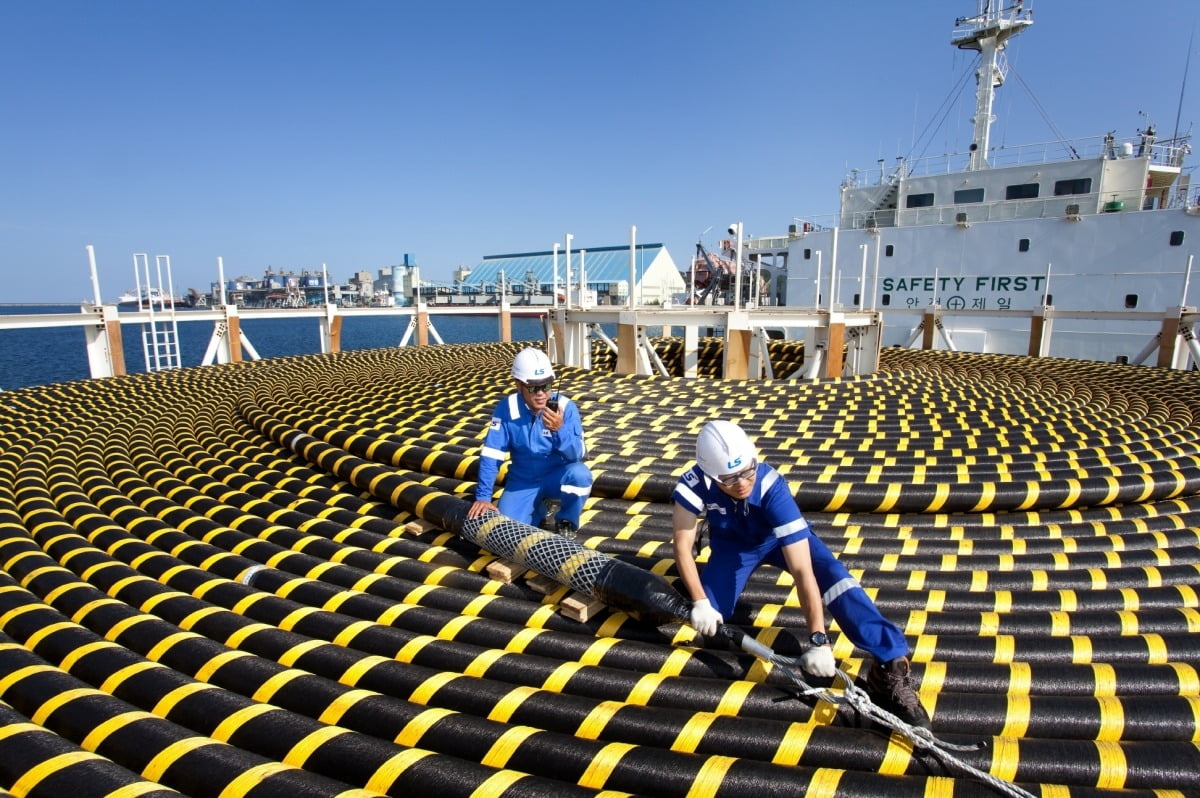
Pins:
x: 988, y: 32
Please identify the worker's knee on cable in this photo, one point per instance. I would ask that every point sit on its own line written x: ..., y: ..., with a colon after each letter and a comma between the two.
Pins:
x: 577, y: 475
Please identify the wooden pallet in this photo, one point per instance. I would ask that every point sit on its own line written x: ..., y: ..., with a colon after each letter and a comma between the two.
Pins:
x: 577, y: 606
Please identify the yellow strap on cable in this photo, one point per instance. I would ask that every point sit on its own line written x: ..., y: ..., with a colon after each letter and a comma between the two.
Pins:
x: 897, y: 757
x: 266, y: 691
x: 692, y: 733
x: 428, y: 688
x: 135, y: 790
x: 795, y: 741
x: 361, y: 667
x: 49, y: 767
x: 593, y: 725
x: 157, y: 766
x: 503, y: 749
x: 228, y: 727
x: 603, y: 764
x: 384, y: 777
x: 707, y: 783
x: 340, y: 705
x: 167, y: 702
x: 1114, y: 769
x: 100, y: 732
x: 497, y: 784
x: 301, y: 751
x: 251, y: 778
x: 415, y: 729
x: 55, y: 701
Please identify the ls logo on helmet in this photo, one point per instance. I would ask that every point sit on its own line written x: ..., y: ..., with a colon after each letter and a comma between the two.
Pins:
x: 734, y: 463
x: 538, y: 372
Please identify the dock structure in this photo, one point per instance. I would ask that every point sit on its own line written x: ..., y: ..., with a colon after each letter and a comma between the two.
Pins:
x: 838, y: 342
x: 264, y: 576
x: 842, y: 342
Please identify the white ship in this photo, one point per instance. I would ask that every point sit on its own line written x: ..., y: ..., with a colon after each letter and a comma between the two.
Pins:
x: 1080, y: 249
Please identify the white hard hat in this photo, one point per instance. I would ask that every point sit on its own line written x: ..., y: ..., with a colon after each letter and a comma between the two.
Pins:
x: 532, y: 365
x: 723, y: 448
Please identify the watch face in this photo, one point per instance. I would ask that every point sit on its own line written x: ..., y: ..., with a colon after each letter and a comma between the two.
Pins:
x: 818, y: 638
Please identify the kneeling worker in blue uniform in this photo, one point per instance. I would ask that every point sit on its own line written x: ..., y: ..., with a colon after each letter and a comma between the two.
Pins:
x: 753, y: 518
x: 543, y: 435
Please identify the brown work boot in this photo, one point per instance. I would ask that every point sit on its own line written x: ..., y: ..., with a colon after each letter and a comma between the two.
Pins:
x: 890, y: 686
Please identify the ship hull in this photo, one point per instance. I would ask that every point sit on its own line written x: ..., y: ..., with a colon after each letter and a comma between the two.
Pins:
x: 1129, y: 270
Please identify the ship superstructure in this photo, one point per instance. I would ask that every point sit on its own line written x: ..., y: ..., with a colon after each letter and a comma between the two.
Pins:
x: 1096, y: 235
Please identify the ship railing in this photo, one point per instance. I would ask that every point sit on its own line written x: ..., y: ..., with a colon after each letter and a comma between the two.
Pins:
x: 966, y: 28
x: 767, y: 243
x: 1067, y: 206
x: 1168, y: 152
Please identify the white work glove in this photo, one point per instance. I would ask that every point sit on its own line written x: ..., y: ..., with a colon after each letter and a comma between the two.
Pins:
x: 818, y: 661
x: 705, y: 619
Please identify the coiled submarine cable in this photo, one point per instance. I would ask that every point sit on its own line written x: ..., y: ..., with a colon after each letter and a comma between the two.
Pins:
x: 625, y: 587
x: 652, y: 598
x: 961, y: 620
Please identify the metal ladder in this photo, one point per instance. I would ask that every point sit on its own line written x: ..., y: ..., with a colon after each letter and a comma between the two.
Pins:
x: 160, y: 339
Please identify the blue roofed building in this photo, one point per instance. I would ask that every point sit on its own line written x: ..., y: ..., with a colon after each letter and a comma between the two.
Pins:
x: 533, y: 277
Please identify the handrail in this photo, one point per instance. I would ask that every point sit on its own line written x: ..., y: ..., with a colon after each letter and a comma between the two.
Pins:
x: 1168, y: 153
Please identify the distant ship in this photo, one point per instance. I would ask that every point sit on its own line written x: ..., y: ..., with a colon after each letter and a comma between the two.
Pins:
x: 1096, y: 242
x: 154, y: 299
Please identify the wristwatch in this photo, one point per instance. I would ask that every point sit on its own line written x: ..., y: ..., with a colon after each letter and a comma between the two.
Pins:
x: 818, y: 639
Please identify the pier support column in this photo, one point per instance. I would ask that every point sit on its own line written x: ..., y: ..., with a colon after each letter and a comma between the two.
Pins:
x: 1173, y: 351
x: 331, y: 330
x: 867, y: 347
x: 423, y: 324
x: 105, y: 350
x: 233, y: 335
x: 505, y: 322
x: 226, y: 342
x: 691, y: 350
x: 1040, y: 327
x: 557, y: 343
x: 627, y: 347
x: 576, y: 344
x: 760, y: 355
x: 835, y: 349
x: 929, y: 324
x: 737, y: 354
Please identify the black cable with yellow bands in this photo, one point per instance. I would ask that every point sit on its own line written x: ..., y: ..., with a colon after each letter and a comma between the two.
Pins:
x: 208, y: 584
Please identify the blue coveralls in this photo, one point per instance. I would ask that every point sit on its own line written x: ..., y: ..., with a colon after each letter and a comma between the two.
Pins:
x: 745, y: 534
x: 545, y: 465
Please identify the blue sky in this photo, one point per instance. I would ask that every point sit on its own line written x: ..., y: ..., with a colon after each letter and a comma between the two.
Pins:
x: 291, y: 133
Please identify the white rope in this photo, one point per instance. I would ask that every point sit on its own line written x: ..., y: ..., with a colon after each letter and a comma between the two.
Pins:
x: 857, y: 698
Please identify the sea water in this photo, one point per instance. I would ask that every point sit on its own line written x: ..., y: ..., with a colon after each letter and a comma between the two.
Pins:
x: 39, y: 356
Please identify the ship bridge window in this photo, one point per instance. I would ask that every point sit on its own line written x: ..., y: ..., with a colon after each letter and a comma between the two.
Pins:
x: 1023, y: 245
x: 1176, y: 238
x: 889, y: 250
x: 919, y: 200
x: 966, y: 195
x: 1081, y: 185
x: 808, y: 254
x: 1021, y: 191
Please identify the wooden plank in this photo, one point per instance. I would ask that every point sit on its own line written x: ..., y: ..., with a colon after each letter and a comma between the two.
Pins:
x: 419, y: 525
x: 504, y: 571
x: 543, y: 584
x: 580, y: 607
